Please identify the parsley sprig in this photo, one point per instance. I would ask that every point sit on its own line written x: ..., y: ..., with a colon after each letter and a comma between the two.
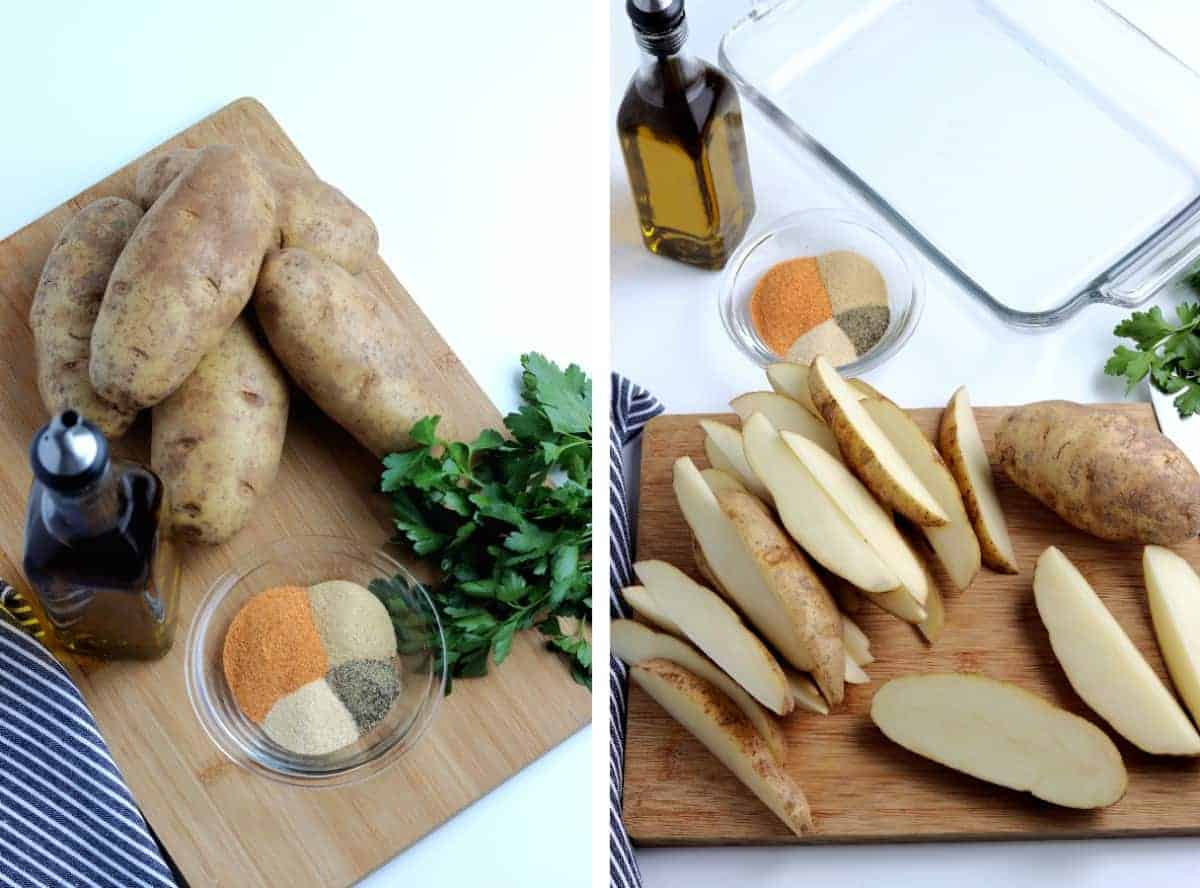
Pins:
x: 1168, y: 353
x: 509, y: 522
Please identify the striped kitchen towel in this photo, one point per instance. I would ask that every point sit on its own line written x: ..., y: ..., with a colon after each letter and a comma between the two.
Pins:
x: 66, y: 816
x: 632, y: 407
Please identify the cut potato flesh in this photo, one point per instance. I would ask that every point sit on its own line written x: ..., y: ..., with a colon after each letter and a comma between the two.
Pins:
x: 954, y: 543
x: 634, y: 643
x: 810, y: 515
x: 864, y: 513
x: 858, y: 646
x: 866, y: 390
x: 787, y: 416
x: 717, y: 630
x: 1003, y: 734
x: 791, y: 380
x: 854, y: 673
x: 935, y: 615
x: 645, y: 606
x: 806, y: 694
x: 867, y: 450
x: 712, y: 719
x: 1103, y: 666
x: 899, y: 603
x: 719, y: 480
x: 1174, y: 592
x: 723, y: 447
x: 962, y: 447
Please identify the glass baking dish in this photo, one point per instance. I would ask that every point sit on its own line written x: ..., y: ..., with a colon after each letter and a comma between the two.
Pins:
x: 1044, y: 154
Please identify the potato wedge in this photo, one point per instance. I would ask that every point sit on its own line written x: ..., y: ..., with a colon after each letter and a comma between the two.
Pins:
x: 813, y: 518
x: 935, y: 615
x: 899, y: 603
x: 791, y: 380
x: 1174, y: 592
x: 962, y: 448
x: 1103, y: 666
x: 1001, y: 733
x: 954, y: 543
x: 764, y: 575
x: 719, y: 480
x: 864, y: 513
x: 866, y: 390
x: 716, y: 629
x: 717, y: 723
x: 854, y: 673
x: 787, y: 416
x: 723, y: 447
x: 857, y: 645
x: 845, y: 593
x: 867, y: 450
x: 635, y: 643
x: 645, y: 606
x: 805, y: 693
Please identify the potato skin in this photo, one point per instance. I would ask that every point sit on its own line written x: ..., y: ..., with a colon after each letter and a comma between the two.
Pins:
x: 1101, y: 472
x: 217, y: 440
x: 340, y: 343
x: 311, y: 214
x: 183, y: 278
x: 65, y: 306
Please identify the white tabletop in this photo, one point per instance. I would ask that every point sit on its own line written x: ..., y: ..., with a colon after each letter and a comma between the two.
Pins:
x: 461, y: 135
x: 667, y: 337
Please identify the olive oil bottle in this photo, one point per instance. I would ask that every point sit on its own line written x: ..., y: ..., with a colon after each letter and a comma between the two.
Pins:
x: 680, y: 127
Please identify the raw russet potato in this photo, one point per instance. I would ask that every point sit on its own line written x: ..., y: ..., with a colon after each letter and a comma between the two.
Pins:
x: 935, y: 615
x: 763, y: 574
x: 217, y: 440
x: 1103, y: 666
x: 787, y: 416
x: 183, y: 278
x: 866, y: 390
x: 718, y: 480
x: 813, y: 518
x: 962, y: 448
x: 805, y: 693
x: 716, y: 722
x: 867, y: 450
x: 1001, y: 733
x: 309, y: 214
x: 65, y: 306
x: 899, y: 603
x: 864, y: 513
x: 854, y: 673
x: 954, y: 543
x: 723, y: 447
x: 1174, y: 592
x: 634, y: 643
x: 791, y: 380
x: 858, y: 646
x: 1101, y: 472
x: 646, y: 607
x: 344, y: 347
x: 715, y: 628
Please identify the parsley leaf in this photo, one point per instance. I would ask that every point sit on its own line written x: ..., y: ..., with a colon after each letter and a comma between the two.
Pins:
x: 1168, y: 353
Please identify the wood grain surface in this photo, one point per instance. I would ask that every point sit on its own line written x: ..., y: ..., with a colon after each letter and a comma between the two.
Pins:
x: 221, y: 825
x: 861, y: 786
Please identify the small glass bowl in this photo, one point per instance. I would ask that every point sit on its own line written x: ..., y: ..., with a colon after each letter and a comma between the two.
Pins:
x: 810, y: 233
x: 304, y: 561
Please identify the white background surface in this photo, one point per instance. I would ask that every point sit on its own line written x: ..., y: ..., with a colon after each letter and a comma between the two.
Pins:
x: 462, y: 129
x: 667, y: 337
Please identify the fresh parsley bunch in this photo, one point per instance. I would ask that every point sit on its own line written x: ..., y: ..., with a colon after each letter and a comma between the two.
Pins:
x: 1169, y: 353
x: 509, y: 521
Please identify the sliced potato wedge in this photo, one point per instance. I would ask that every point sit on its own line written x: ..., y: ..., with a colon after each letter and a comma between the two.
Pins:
x: 899, y: 603
x: 935, y: 615
x: 723, y: 447
x: 1174, y: 592
x: 716, y: 629
x: 645, y: 606
x: 1003, y: 734
x: 719, y: 480
x: 1103, y: 666
x: 954, y: 543
x: 717, y: 723
x: 791, y: 380
x: 966, y: 457
x: 806, y: 694
x: 787, y: 416
x: 810, y: 514
x: 854, y: 673
x: 866, y: 390
x: 634, y: 643
x: 858, y: 646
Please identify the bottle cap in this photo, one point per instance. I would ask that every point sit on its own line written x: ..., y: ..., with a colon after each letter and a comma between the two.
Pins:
x: 69, y: 453
x: 660, y: 26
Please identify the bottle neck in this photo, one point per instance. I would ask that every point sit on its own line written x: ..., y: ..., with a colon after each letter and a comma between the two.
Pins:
x: 85, y: 513
x: 663, y: 77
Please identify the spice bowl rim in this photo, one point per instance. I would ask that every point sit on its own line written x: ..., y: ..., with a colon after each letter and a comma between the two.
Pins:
x: 265, y: 758
x: 905, y: 307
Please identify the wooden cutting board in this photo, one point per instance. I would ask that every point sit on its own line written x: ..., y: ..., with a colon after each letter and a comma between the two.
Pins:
x: 221, y: 825
x: 861, y: 786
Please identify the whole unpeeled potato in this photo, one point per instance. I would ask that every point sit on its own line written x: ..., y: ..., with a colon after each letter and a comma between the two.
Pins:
x: 217, y: 440
x: 65, y: 306
x: 1101, y: 472
x: 311, y: 214
x: 185, y: 275
x: 344, y: 347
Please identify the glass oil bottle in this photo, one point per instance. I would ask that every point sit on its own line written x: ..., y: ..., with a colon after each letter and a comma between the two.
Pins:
x: 680, y: 128
x: 105, y: 576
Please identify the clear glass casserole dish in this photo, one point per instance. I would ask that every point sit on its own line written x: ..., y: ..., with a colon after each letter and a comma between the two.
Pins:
x: 1044, y: 155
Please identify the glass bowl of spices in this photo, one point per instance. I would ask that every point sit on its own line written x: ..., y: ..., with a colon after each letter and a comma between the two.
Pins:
x: 821, y: 282
x: 316, y: 661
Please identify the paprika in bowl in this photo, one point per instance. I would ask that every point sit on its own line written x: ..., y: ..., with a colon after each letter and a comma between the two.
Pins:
x: 821, y: 282
x: 273, y: 683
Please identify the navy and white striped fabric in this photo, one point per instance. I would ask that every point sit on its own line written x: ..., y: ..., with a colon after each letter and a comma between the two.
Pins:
x: 632, y: 407
x: 66, y: 816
